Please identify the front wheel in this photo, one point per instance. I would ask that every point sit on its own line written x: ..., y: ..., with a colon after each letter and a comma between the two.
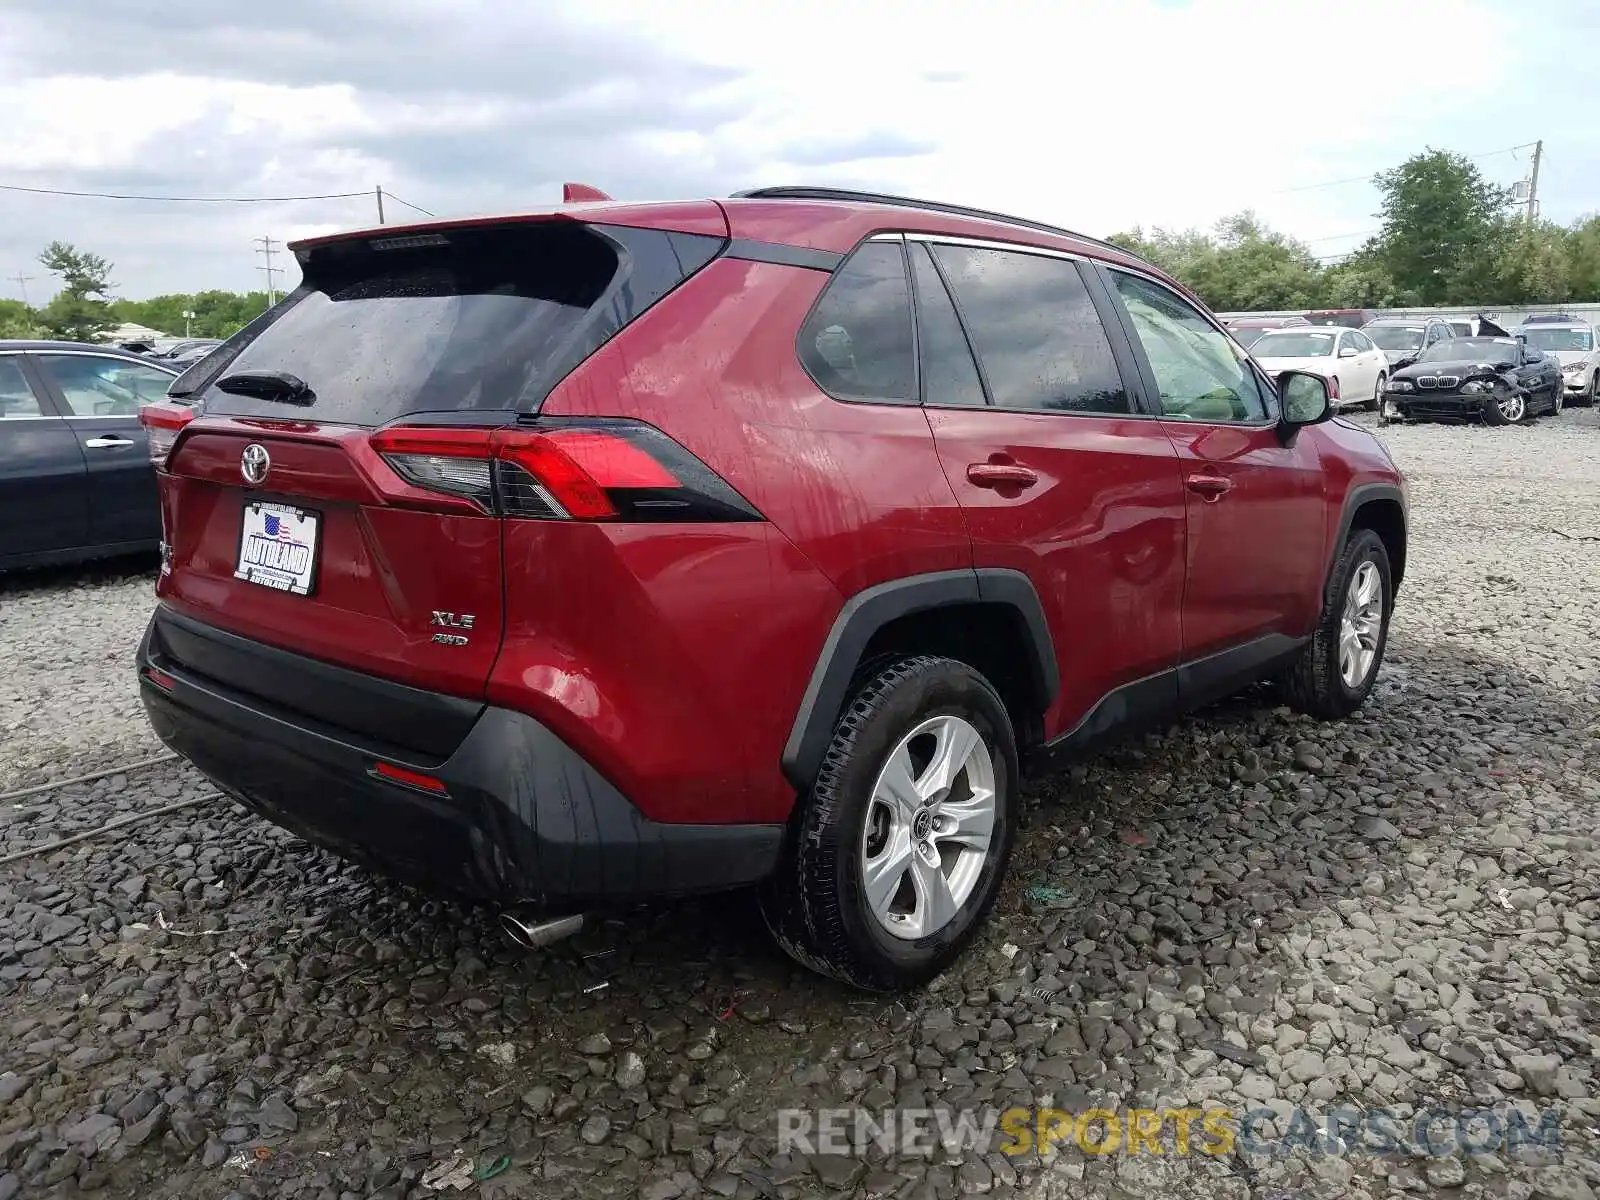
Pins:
x: 1558, y: 398
x: 1505, y: 407
x: 897, y: 853
x: 1335, y: 671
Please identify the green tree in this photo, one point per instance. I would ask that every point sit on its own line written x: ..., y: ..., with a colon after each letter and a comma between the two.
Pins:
x: 82, y: 308
x: 216, y: 313
x: 1444, y: 228
x: 1534, y: 265
x: 1583, y: 260
x: 17, y: 320
x: 1241, y: 266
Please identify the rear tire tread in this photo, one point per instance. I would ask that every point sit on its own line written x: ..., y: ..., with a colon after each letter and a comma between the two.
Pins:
x: 800, y: 902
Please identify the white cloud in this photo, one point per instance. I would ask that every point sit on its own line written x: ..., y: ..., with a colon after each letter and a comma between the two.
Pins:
x: 1101, y: 114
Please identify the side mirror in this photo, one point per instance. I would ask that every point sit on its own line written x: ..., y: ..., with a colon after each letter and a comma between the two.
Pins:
x: 1347, y: 351
x: 1305, y: 401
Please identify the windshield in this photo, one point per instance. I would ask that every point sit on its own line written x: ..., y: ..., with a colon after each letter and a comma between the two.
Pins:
x: 1247, y: 336
x: 1548, y: 338
x: 1461, y: 349
x: 1296, y: 344
x: 1395, y: 337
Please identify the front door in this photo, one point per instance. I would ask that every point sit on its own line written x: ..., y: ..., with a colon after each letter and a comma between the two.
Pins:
x: 1059, y: 474
x: 1257, y: 517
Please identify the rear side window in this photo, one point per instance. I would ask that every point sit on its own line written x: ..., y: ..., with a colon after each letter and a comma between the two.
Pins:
x: 949, y: 376
x: 857, y: 341
x: 463, y: 319
x: 16, y: 397
x: 1035, y: 330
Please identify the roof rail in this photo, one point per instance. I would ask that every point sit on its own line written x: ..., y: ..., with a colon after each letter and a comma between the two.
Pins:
x: 955, y: 210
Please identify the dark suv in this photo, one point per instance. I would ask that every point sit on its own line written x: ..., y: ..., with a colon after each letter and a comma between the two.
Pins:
x: 624, y: 549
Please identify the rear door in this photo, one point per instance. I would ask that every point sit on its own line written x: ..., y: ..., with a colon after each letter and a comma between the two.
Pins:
x: 43, y: 494
x: 337, y: 497
x: 1059, y: 473
x: 1256, y: 508
x: 99, y: 397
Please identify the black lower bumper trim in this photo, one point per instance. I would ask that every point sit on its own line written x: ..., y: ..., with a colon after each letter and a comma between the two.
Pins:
x: 524, y: 818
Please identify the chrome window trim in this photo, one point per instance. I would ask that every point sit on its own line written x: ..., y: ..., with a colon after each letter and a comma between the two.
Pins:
x: 953, y: 239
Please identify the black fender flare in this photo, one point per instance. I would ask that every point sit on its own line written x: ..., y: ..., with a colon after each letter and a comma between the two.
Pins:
x: 869, y: 611
x: 1355, y: 498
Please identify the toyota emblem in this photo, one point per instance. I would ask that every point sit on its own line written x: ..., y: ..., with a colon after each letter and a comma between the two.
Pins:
x: 254, y: 463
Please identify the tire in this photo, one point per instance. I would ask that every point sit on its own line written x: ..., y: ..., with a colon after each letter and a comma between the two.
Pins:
x: 1316, y: 683
x: 1558, y: 398
x: 1505, y: 408
x: 817, y: 902
x: 1587, y: 399
x: 1377, y: 392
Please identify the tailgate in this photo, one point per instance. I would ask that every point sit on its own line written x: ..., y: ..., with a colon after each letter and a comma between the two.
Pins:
x: 316, y: 559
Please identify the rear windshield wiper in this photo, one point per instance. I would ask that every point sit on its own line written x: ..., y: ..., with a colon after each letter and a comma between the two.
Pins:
x: 268, y: 385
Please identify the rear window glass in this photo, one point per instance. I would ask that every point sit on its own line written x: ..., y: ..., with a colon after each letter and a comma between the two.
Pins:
x: 463, y: 320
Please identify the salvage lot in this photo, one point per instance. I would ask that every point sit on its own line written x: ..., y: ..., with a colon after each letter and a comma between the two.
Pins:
x: 1253, y: 910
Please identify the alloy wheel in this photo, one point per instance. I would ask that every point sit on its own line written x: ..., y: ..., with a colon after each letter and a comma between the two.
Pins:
x: 1512, y: 406
x: 1360, y: 625
x: 929, y: 826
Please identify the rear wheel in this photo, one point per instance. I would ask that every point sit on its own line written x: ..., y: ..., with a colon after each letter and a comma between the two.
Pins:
x: 1335, y: 671
x: 896, y: 854
x: 1377, y: 391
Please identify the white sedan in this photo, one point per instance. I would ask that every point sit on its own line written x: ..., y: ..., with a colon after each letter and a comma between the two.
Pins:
x: 1354, y: 368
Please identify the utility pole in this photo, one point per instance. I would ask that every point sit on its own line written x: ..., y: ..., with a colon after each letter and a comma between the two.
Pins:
x: 265, y: 247
x: 379, y: 192
x: 1533, y: 182
x: 22, y: 282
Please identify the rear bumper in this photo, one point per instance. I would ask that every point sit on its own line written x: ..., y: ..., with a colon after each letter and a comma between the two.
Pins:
x: 522, y: 818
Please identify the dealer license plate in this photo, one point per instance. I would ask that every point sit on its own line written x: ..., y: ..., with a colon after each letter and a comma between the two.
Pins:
x: 278, y: 547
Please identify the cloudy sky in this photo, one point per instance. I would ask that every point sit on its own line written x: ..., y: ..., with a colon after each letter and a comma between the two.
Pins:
x: 1097, y: 114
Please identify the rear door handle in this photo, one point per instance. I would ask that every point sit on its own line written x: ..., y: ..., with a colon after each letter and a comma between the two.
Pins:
x: 998, y: 475
x: 104, y: 443
x: 1210, y: 487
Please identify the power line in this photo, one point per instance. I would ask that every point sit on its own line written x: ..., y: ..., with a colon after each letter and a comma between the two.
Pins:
x: 408, y: 204
x: 1333, y: 237
x: 1309, y: 187
x: 22, y: 282
x: 38, y: 191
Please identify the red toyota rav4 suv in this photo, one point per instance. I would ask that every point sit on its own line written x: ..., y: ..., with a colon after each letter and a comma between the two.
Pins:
x: 623, y: 550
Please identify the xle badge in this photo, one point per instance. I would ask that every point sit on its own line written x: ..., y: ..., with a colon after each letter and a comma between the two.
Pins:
x: 452, y: 620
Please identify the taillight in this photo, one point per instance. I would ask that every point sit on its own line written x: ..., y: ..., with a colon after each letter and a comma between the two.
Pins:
x: 163, y: 422
x: 1333, y: 389
x: 564, y: 470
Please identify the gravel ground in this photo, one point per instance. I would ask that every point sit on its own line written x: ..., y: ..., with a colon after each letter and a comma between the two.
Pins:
x: 1253, y: 911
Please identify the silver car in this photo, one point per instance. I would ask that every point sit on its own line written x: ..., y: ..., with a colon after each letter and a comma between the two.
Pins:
x: 1573, y: 345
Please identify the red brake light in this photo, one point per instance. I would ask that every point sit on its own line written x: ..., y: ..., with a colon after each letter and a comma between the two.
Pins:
x: 1333, y: 389
x: 579, y: 470
x: 163, y: 422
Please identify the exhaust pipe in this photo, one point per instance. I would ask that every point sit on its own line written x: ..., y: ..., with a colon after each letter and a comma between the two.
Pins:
x: 534, y: 935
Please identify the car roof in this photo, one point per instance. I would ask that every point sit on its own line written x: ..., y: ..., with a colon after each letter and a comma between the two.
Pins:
x: 1403, y: 320
x: 816, y: 218
x: 1553, y: 325
x: 95, y: 347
